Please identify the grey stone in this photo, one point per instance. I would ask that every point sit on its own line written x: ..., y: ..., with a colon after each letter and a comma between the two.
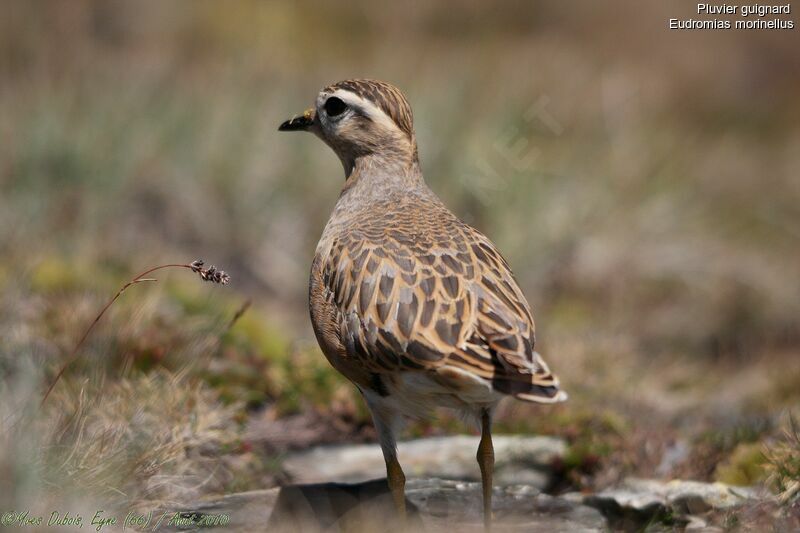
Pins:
x: 698, y: 525
x: 644, y: 501
x: 243, y: 511
x: 360, y: 507
x: 436, y: 502
x: 519, y: 460
x: 445, y: 504
x: 434, y: 505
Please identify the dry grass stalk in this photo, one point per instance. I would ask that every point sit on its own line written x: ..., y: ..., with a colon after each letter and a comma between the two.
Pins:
x: 134, y: 445
x: 783, y: 463
x: 211, y: 274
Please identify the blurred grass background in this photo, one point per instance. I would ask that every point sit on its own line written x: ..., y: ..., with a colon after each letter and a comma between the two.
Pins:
x: 644, y: 185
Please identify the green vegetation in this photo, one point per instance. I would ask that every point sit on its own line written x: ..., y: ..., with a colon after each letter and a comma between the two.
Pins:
x: 744, y: 466
x: 783, y: 463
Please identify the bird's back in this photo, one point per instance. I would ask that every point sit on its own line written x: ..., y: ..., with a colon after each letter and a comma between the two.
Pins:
x: 400, y: 285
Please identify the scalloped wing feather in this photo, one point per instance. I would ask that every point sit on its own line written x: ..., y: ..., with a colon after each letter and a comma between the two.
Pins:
x: 420, y: 296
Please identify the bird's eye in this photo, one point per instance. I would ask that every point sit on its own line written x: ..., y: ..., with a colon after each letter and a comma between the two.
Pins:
x: 334, y: 106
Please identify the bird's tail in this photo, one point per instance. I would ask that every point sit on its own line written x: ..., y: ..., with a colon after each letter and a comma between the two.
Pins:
x: 544, y: 386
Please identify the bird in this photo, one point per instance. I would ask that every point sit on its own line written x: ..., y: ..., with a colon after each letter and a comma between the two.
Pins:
x: 415, y: 307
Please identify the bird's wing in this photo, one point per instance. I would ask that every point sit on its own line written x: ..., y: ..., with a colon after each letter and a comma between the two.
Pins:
x: 416, y: 301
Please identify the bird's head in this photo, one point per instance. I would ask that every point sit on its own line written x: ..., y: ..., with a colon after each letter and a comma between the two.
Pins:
x: 361, y: 119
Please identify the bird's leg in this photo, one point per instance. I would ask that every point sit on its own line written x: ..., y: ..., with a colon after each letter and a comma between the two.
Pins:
x: 397, y: 484
x: 386, y: 421
x: 486, y: 462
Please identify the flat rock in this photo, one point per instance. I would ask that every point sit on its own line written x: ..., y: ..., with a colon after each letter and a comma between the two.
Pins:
x: 520, y: 460
x: 643, y: 501
x: 438, y: 504
x: 433, y: 505
x: 243, y: 511
x: 444, y: 505
x: 685, y: 497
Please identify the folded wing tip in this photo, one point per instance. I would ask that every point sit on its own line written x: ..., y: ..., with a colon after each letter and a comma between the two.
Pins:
x: 557, y: 397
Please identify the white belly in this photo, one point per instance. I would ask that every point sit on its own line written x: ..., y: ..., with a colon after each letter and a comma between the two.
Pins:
x: 417, y: 394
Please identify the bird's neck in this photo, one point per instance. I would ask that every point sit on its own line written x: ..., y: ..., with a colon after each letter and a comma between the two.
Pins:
x: 382, y: 172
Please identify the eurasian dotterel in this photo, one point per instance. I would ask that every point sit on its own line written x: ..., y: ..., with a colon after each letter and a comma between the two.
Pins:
x: 415, y: 307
